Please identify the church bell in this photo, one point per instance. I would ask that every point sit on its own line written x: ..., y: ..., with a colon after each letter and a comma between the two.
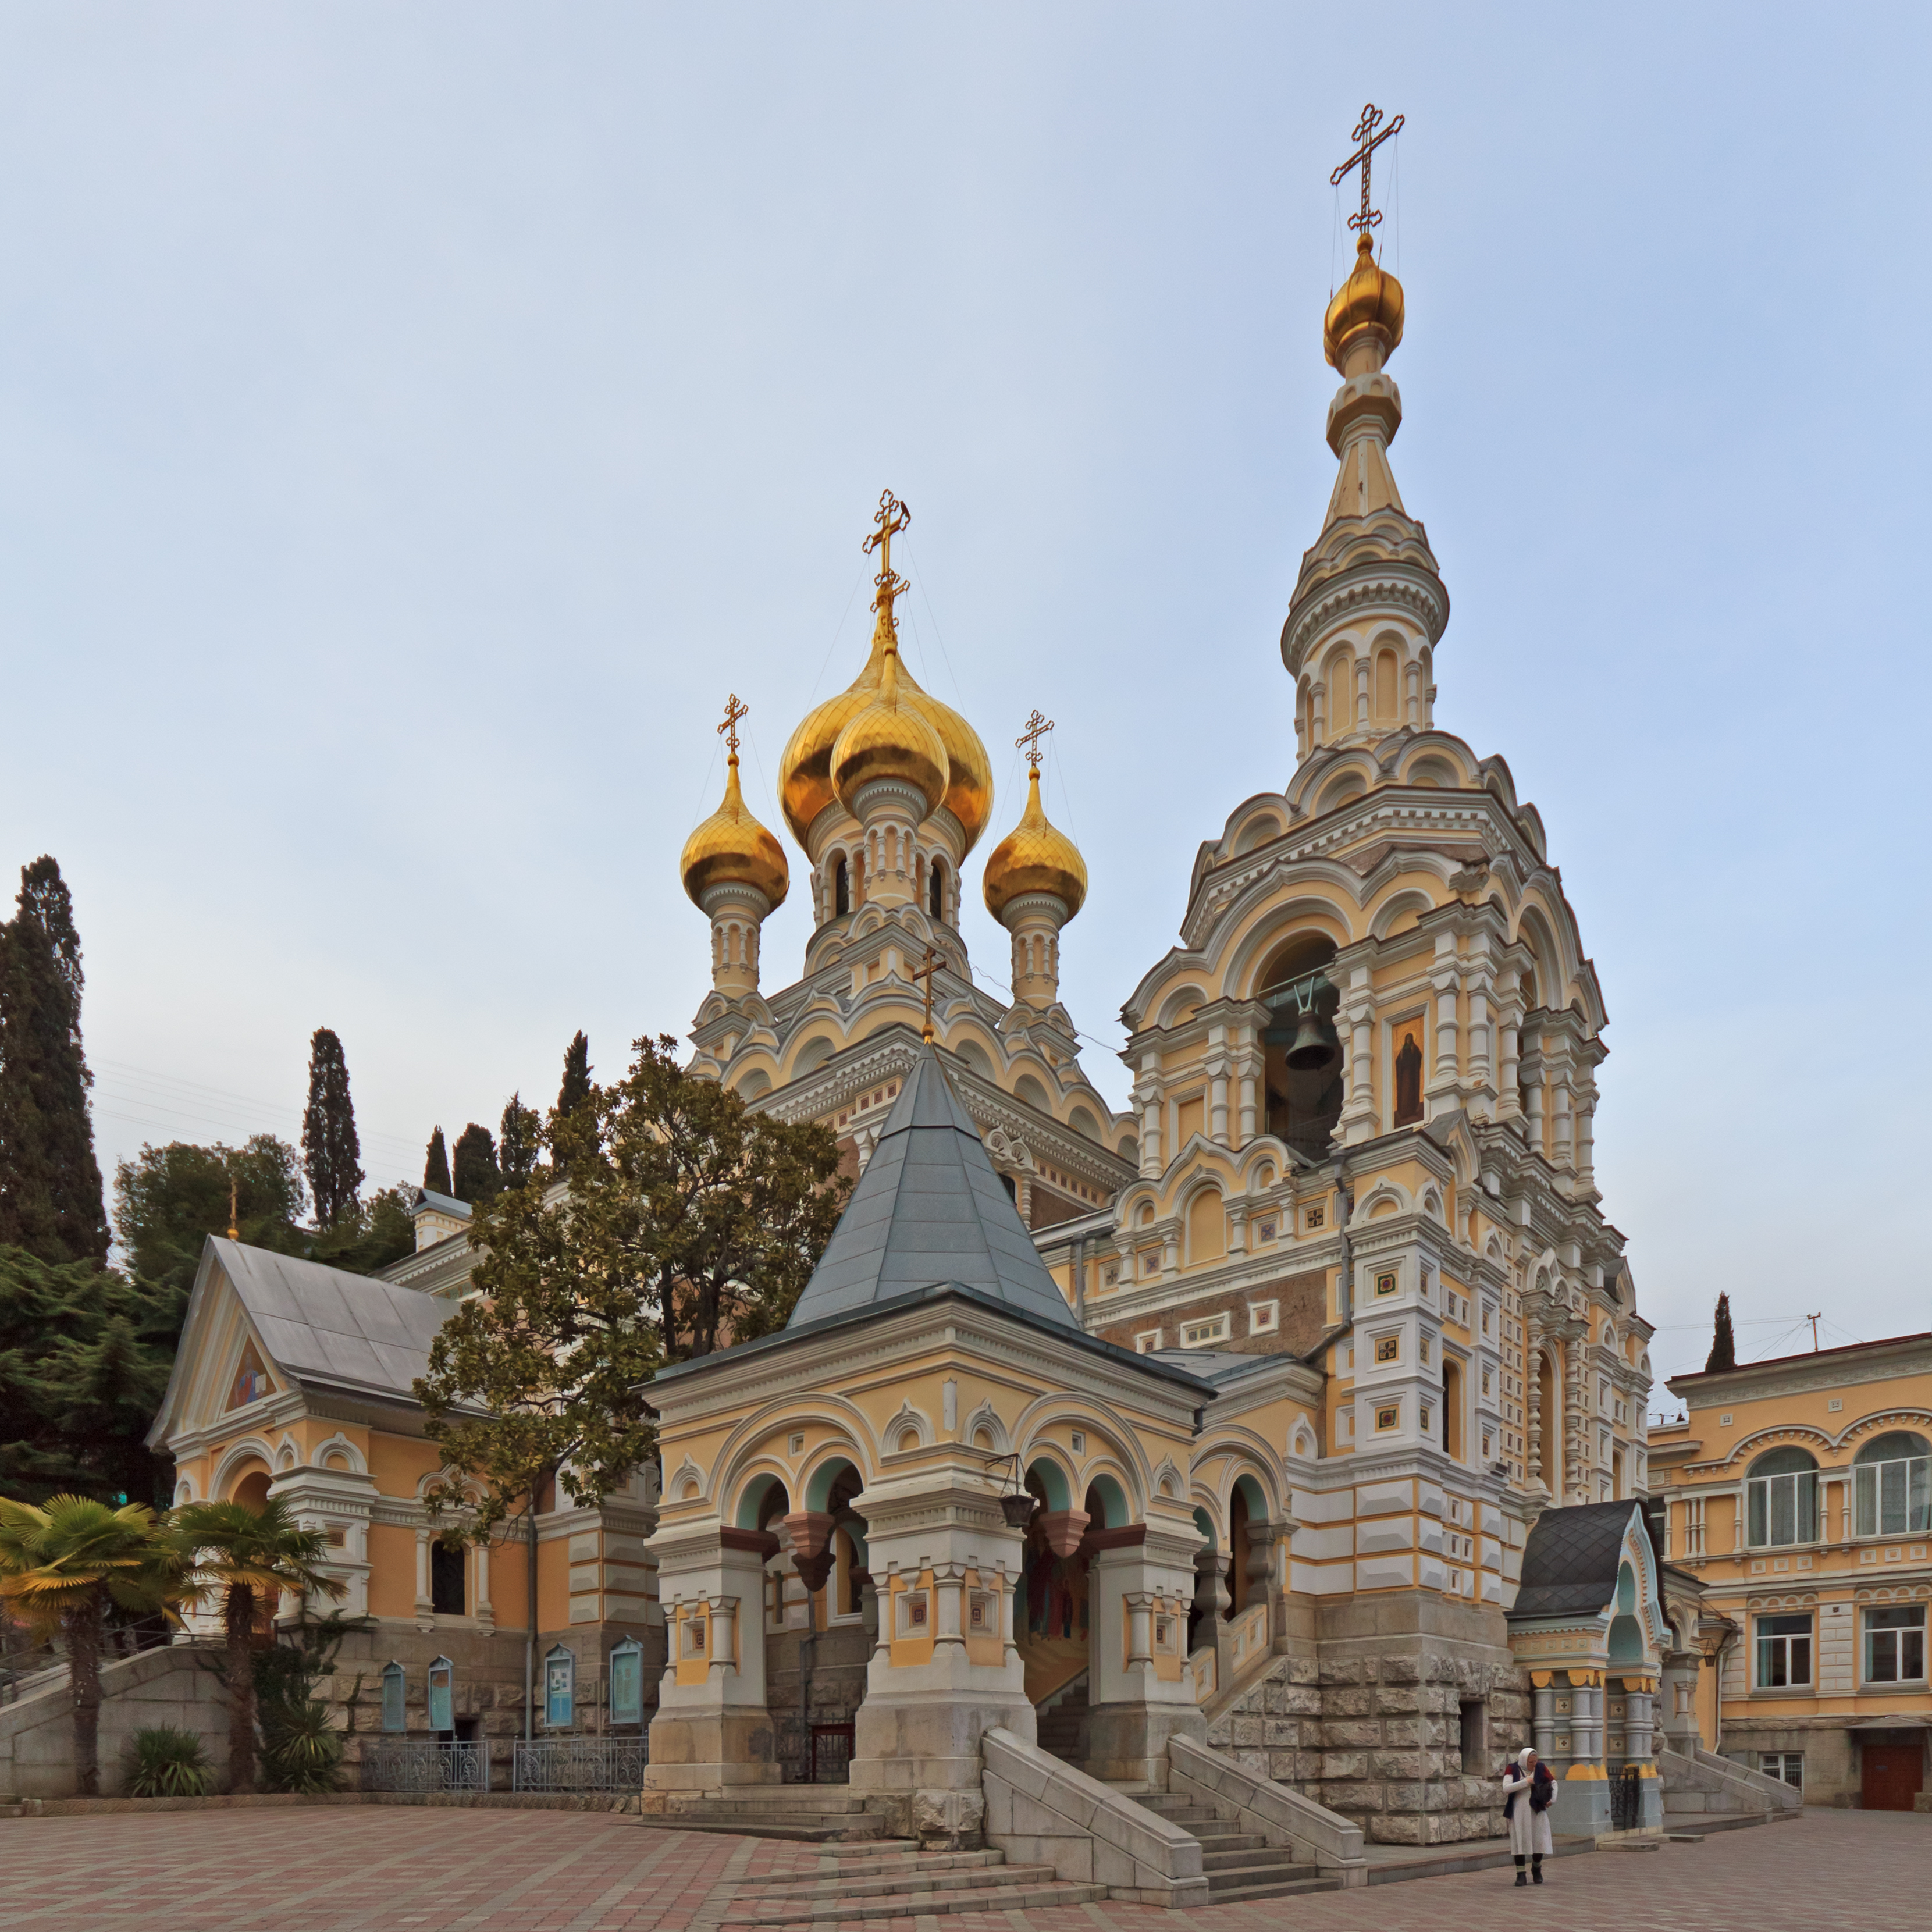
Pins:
x: 1310, y: 1053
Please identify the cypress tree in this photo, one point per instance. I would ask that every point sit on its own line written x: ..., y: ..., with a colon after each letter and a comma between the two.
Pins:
x: 1724, y: 1343
x: 518, y: 1142
x: 436, y: 1167
x: 576, y: 1087
x: 50, y: 1195
x: 330, y: 1150
x: 475, y: 1166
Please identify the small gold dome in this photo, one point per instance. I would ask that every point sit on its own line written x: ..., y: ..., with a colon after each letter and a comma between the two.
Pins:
x: 805, y: 770
x: 1369, y: 304
x: 1035, y: 857
x: 731, y: 848
x: 889, y: 740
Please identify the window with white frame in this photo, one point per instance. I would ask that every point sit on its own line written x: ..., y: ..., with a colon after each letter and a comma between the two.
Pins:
x: 1200, y: 1334
x: 1895, y: 1643
x: 1781, y: 1500
x: 1787, y: 1766
x: 1891, y: 1479
x: 1147, y: 1342
x: 1783, y: 1651
x: 1263, y: 1317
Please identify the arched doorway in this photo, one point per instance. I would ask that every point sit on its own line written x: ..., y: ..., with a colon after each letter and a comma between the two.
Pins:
x: 1302, y: 1052
x: 815, y: 1657
x: 252, y: 1490
x: 1052, y: 1613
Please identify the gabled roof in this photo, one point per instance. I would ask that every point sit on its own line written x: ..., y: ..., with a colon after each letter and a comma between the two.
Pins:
x: 318, y: 1326
x: 1570, y: 1562
x: 929, y: 1209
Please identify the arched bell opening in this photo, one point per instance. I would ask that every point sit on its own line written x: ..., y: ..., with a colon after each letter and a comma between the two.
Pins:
x: 1302, y: 1052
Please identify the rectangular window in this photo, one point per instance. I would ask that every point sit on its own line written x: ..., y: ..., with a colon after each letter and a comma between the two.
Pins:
x: 1388, y: 1348
x: 1894, y: 1498
x: 1789, y: 1766
x: 1895, y: 1644
x: 1199, y: 1334
x: 1782, y: 1509
x: 1783, y: 1652
x: 447, y: 1595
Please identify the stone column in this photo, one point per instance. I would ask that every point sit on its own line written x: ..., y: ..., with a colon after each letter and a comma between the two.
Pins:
x: 1443, y: 1092
x: 1219, y: 1066
x: 943, y: 1553
x: 1356, y: 1015
x: 1679, y: 1724
x: 424, y: 1600
x: 1544, y: 1721
x: 1639, y: 1721
x: 1247, y: 1064
x: 1138, y: 1695
x: 1150, y: 1096
x: 712, y: 1729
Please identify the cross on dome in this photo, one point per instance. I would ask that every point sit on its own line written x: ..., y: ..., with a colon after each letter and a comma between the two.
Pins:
x: 1365, y: 134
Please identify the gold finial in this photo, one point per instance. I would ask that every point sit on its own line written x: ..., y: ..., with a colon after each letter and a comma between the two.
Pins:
x: 892, y: 517
x: 728, y: 731
x: 924, y: 971
x: 1365, y: 134
x: 1036, y: 727
x: 234, y: 1218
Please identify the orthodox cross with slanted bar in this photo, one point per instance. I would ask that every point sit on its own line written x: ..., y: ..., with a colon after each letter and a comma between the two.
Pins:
x: 924, y: 971
x: 1365, y: 132
x: 728, y: 731
x: 892, y: 517
x: 1036, y: 728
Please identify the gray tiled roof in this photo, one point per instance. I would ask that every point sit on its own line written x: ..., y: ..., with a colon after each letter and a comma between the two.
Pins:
x: 1570, y: 1562
x: 927, y: 1209
x: 322, y: 1325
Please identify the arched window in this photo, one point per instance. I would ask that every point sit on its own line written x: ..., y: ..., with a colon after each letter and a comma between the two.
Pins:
x: 1781, y: 1499
x: 935, y: 889
x: 1892, y: 1481
x: 841, y: 888
x: 1302, y: 1052
x: 1386, y: 674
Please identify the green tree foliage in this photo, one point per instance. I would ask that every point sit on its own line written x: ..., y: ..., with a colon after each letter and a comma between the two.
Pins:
x: 62, y: 1568
x: 370, y: 1234
x: 302, y: 1751
x: 84, y: 1355
x: 50, y: 1197
x: 1724, y: 1342
x: 520, y: 1141
x: 247, y: 1557
x: 435, y: 1165
x: 164, y: 1762
x: 576, y: 1087
x: 476, y: 1178
x: 330, y: 1149
x: 168, y: 1200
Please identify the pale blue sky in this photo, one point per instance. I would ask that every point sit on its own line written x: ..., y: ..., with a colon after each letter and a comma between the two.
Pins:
x: 413, y: 420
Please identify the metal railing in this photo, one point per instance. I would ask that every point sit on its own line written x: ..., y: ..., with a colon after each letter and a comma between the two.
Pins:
x: 580, y: 1764
x: 830, y: 1761
x: 424, y: 1764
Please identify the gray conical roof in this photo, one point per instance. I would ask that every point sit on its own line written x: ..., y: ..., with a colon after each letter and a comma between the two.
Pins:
x: 929, y: 1209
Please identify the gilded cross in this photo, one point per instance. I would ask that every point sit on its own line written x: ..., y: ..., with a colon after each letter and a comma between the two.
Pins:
x: 924, y: 971
x: 1365, y: 134
x: 892, y: 517
x: 733, y: 711
x: 1036, y: 728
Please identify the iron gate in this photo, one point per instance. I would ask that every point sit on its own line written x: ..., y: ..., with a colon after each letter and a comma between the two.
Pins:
x: 830, y: 1759
x: 1627, y: 1799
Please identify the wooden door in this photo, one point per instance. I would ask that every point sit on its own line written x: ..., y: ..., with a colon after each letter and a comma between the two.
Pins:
x: 1892, y: 1776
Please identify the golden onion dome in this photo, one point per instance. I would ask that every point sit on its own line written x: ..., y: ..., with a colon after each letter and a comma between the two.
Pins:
x: 1035, y: 856
x: 805, y: 770
x: 731, y: 848
x: 888, y: 739
x: 1369, y: 304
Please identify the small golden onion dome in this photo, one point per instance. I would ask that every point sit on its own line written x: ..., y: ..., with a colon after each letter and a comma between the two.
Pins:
x: 1369, y: 303
x: 804, y: 769
x: 1035, y: 857
x: 732, y: 848
x: 889, y: 738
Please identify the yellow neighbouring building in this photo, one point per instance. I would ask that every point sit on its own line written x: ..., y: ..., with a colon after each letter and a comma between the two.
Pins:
x: 1275, y: 1446
x: 1798, y: 1492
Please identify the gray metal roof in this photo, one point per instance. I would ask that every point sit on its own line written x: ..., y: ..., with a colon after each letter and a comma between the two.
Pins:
x: 322, y: 1325
x: 928, y: 1209
x: 1570, y: 1562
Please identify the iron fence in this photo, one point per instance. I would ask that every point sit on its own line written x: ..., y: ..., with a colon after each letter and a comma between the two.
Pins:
x: 1627, y: 1799
x: 424, y: 1764
x: 580, y: 1764
x: 830, y: 1759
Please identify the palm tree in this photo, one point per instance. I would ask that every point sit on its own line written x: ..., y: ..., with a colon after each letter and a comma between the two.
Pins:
x: 246, y: 1553
x: 62, y: 1563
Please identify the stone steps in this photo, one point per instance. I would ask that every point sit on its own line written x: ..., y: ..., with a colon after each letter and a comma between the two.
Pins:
x: 1240, y: 1866
x: 777, y: 1899
x: 805, y: 1814
x: 1022, y: 1896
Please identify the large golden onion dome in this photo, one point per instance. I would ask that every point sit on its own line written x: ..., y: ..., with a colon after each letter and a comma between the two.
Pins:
x: 889, y: 738
x: 1369, y: 304
x: 805, y: 771
x: 731, y: 848
x: 1035, y: 856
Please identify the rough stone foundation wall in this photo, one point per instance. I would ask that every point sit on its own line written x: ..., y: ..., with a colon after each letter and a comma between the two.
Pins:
x: 837, y: 1658
x: 1378, y: 1739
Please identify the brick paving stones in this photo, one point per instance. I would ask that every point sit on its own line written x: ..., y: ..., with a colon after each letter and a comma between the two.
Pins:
x: 392, y: 1869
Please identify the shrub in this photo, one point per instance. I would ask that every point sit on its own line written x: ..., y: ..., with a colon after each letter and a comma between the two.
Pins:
x: 300, y: 1753
x: 164, y: 1762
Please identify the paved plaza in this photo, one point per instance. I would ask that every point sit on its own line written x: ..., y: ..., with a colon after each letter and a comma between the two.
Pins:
x: 356, y: 1869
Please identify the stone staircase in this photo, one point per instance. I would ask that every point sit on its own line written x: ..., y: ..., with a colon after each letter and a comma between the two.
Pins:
x: 1240, y: 1866
x: 895, y: 1880
x: 1062, y: 1724
x: 809, y: 1813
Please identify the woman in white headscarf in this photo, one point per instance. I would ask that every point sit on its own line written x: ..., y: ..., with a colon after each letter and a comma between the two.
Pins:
x: 1530, y: 1791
